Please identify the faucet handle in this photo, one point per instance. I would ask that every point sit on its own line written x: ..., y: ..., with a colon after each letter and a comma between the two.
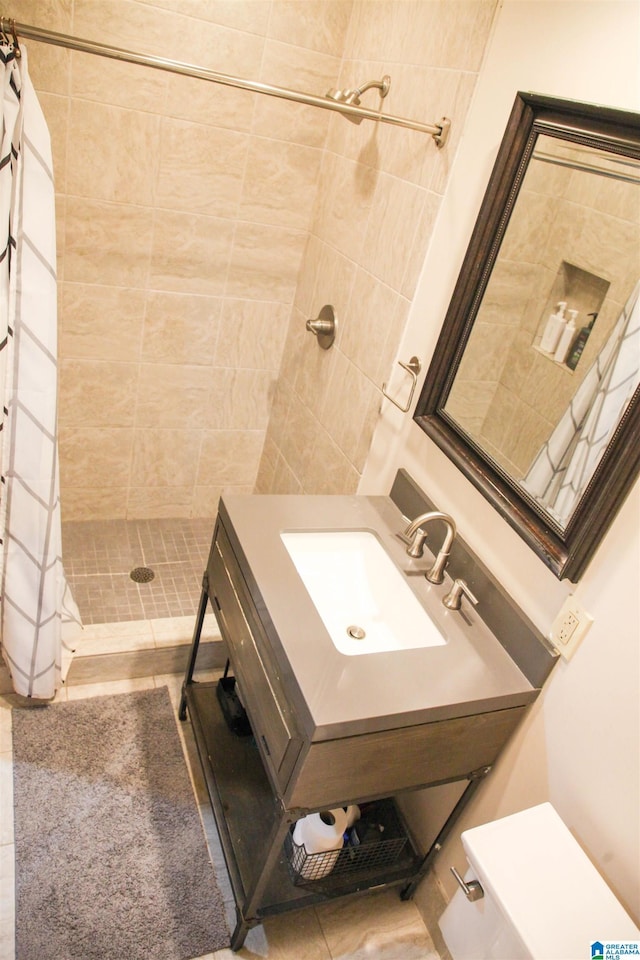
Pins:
x: 415, y: 544
x: 453, y: 599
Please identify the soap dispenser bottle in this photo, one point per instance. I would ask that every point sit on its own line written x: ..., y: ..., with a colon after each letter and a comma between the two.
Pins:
x: 578, y: 345
x: 554, y: 328
x: 567, y: 338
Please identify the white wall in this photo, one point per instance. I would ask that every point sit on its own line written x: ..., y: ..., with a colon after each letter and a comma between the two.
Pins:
x: 579, y: 746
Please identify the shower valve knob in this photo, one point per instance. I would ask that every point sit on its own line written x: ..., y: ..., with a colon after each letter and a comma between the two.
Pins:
x: 319, y: 326
x: 324, y: 326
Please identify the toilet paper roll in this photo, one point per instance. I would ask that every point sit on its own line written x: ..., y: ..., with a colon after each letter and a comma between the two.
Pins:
x: 322, y: 834
x: 353, y: 814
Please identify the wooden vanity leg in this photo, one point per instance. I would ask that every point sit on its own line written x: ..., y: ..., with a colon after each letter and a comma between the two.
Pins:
x: 195, y: 643
x: 475, y: 779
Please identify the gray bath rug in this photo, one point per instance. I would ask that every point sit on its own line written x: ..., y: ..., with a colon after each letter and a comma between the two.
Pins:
x: 111, y: 858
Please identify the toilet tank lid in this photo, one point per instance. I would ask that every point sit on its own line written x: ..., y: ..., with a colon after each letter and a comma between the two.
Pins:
x: 544, y: 883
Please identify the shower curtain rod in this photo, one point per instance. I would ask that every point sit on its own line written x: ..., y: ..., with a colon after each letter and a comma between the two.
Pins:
x: 438, y: 131
x: 583, y: 167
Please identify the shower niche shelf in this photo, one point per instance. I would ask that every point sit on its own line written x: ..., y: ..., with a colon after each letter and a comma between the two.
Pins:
x: 582, y: 291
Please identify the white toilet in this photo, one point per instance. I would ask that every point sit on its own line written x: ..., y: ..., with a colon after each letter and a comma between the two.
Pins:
x: 543, y: 898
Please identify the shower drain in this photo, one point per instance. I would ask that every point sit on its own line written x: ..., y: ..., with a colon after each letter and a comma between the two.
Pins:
x: 142, y: 574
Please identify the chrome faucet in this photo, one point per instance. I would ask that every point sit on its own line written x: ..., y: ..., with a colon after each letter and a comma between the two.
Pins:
x: 416, y: 535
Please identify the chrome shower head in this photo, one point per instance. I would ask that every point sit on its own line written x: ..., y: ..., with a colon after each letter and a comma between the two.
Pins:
x: 352, y: 97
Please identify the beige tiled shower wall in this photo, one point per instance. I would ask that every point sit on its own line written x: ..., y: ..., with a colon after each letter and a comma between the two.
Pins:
x: 199, y: 226
x: 379, y: 194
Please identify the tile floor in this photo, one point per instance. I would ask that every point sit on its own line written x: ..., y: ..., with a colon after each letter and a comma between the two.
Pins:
x: 375, y: 927
x: 99, y: 556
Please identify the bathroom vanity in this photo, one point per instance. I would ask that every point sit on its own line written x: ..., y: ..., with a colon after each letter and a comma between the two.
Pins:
x: 330, y: 728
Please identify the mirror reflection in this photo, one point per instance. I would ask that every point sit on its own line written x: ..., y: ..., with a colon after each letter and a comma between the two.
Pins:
x: 553, y: 357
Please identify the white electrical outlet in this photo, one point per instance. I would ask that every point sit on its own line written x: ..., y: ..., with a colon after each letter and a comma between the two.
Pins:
x: 569, y: 627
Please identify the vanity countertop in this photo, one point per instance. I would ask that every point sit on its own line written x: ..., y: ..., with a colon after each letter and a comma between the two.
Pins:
x: 336, y: 694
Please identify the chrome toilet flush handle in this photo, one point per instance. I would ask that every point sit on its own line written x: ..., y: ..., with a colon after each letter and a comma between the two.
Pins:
x: 472, y: 890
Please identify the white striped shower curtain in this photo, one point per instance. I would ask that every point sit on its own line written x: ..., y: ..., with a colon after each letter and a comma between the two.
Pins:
x: 35, y: 600
x: 566, y: 462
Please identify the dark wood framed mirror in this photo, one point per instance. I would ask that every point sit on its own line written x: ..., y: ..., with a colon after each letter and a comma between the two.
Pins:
x: 533, y: 390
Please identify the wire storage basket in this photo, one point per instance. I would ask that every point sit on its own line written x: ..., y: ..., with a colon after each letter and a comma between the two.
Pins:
x: 382, y: 846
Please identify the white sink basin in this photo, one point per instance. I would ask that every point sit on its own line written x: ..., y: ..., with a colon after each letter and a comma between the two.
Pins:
x: 363, y: 599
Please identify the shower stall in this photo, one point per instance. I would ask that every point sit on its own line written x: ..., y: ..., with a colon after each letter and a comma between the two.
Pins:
x: 203, y: 218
